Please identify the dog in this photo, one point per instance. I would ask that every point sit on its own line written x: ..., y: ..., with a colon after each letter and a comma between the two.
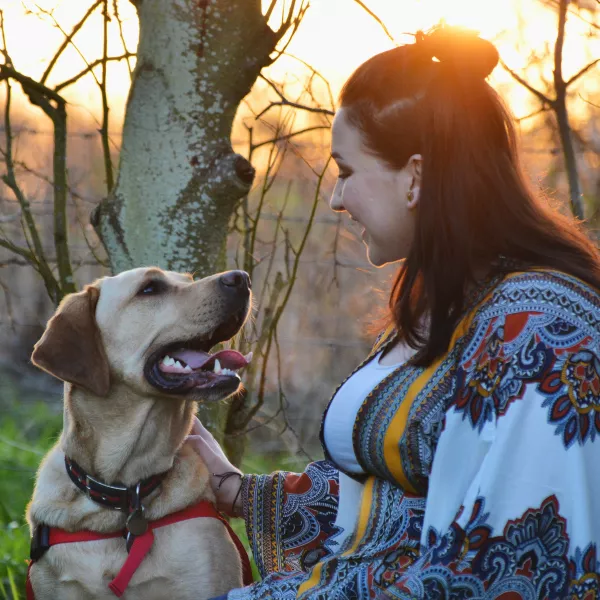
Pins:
x: 134, y: 353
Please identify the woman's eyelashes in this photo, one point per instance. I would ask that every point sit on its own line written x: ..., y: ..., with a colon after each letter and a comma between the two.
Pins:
x: 344, y: 173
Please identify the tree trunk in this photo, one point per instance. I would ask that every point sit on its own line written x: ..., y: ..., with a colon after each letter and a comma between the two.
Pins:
x: 179, y: 179
x: 562, y: 116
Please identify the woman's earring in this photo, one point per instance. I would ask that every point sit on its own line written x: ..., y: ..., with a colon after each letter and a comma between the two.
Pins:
x: 410, y: 195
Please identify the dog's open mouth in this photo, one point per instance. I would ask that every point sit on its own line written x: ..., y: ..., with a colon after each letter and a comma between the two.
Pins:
x: 189, y: 366
x: 187, y: 369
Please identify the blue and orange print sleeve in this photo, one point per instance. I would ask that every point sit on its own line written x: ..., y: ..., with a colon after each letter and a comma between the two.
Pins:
x: 289, y: 516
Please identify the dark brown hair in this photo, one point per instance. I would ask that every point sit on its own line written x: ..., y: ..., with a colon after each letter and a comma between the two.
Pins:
x: 476, y: 210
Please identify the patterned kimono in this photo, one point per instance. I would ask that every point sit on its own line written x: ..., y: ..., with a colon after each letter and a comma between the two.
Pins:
x: 482, y: 470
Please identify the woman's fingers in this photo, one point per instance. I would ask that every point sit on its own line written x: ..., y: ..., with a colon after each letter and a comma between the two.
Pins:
x: 199, y: 430
x: 212, y: 455
x: 197, y: 427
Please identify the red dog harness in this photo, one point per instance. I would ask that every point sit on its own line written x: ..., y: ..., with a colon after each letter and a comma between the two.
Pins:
x: 141, y: 544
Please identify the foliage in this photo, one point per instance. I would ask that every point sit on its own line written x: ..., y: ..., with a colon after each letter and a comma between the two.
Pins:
x: 27, y: 430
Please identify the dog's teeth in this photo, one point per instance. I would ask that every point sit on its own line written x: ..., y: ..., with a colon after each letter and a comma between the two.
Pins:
x: 227, y: 372
x: 217, y: 368
x: 249, y: 356
x: 187, y: 369
x: 178, y: 364
x: 167, y: 360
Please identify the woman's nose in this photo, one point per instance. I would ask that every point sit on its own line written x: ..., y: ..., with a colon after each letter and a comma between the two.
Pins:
x: 335, y: 202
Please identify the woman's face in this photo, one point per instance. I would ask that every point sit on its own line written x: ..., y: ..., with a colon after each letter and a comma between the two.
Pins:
x: 373, y: 194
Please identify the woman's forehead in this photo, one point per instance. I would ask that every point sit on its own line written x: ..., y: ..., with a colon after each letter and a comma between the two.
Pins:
x: 346, y: 141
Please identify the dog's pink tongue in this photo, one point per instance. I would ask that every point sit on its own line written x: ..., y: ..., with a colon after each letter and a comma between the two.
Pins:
x: 196, y: 359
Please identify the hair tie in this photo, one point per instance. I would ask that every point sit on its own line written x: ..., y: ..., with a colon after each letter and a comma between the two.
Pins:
x: 460, y: 49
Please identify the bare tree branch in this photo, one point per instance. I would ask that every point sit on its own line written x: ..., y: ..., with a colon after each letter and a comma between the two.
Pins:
x: 560, y: 107
x: 36, y: 257
x: 68, y: 38
x: 286, y: 102
x: 535, y: 113
x: 589, y: 101
x: 582, y: 72
x: 120, y: 24
x: 61, y: 225
x: 108, y: 166
x: 91, y: 67
x: 290, y: 26
x: 374, y: 16
x: 289, y: 136
x: 42, y: 96
x: 24, y: 252
x: 30, y: 86
x: 542, y: 97
x: 281, y: 307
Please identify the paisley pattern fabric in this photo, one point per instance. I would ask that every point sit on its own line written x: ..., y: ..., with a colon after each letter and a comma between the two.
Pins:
x: 482, y: 469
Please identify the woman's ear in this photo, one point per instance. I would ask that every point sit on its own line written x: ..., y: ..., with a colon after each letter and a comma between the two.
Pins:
x: 414, y: 168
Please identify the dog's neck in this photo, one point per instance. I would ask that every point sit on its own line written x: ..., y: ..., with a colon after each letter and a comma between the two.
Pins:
x: 126, y: 439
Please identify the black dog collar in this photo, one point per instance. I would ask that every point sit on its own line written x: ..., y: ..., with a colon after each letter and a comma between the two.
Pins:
x: 117, y: 497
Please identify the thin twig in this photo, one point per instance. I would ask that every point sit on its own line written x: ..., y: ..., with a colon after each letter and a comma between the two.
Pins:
x: 542, y: 97
x: 582, y: 72
x: 90, y: 67
x: 68, y: 37
x: 374, y: 16
x: 562, y: 116
x: 286, y: 298
x: 121, y: 34
x: 108, y: 167
x: 286, y: 102
x: 35, y: 256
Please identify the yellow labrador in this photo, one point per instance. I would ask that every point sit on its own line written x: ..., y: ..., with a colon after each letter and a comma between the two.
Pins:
x: 133, y: 351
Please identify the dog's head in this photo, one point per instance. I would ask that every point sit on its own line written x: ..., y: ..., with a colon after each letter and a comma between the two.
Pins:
x: 152, y: 330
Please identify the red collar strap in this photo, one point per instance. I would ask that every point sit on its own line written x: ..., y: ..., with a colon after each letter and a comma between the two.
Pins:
x: 50, y: 536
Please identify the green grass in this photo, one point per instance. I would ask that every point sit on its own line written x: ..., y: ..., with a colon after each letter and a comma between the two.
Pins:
x: 27, y: 431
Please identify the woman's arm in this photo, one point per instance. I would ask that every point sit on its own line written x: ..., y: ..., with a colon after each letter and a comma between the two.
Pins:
x: 288, y: 515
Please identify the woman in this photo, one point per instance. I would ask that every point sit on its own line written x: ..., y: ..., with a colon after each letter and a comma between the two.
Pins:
x: 462, y: 454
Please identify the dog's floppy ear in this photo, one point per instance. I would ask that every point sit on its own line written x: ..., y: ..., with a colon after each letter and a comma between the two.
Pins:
x: 71, y: 347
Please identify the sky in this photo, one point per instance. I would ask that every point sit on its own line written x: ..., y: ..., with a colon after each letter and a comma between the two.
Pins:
x: 335, y: 37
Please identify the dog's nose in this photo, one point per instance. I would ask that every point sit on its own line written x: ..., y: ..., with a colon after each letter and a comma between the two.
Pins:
x: 236, y: 279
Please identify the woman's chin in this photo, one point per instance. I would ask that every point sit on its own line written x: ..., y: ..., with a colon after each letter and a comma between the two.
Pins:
x: 380, y: 259
x: 375, y: 258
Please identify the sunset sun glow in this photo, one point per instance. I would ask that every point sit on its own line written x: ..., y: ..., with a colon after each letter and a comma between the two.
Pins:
x: 335, y: 37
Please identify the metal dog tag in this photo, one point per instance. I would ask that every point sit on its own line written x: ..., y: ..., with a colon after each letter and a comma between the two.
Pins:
x: 136, y: 522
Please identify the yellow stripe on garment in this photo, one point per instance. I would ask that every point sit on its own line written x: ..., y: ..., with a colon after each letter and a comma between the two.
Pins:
x: 361, y: 529
x: 391, y: 450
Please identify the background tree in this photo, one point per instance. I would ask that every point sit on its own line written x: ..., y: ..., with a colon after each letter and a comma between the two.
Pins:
x: 558, y: 92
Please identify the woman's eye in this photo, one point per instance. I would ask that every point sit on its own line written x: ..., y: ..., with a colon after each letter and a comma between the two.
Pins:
x: 344, y: 174
x: 151, y: 288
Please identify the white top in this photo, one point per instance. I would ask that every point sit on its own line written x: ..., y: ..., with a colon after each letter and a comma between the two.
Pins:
x: 337, y: 431
x: 340, y: 418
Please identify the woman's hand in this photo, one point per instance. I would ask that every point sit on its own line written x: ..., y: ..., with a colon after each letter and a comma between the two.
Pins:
x: 226, y: 489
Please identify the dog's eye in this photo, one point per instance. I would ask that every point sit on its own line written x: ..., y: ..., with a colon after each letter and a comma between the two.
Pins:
x: 151, y: 288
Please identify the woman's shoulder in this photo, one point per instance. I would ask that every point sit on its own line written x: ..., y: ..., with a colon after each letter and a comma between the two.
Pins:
x: 544, y: 291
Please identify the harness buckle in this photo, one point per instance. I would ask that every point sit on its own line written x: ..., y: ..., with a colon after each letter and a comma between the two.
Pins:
x: 40, y: 542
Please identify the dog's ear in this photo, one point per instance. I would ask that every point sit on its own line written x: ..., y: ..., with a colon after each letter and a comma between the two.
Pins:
x: 71, y: 347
